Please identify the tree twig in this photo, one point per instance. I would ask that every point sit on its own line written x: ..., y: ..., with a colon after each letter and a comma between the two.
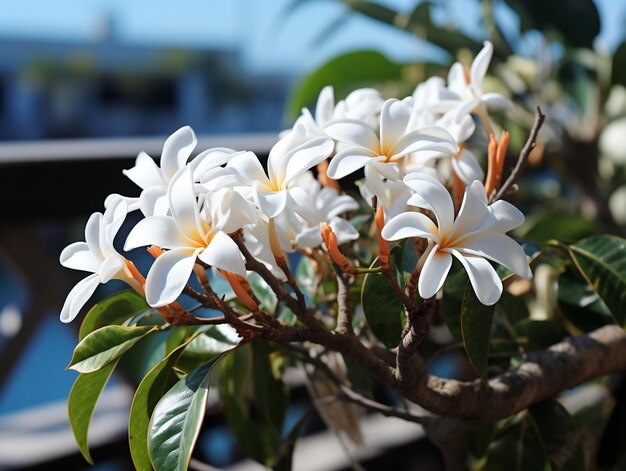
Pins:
x: 531, y: 143
x: 344, y: 313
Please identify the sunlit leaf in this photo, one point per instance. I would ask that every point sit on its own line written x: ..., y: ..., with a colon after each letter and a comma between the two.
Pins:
x: 581, y: 305
x: 176, y: 420
x: 105, y: 345
x: 601, y: 260
x: 81, y: 404
x: 112, y: 310
x: 155, y: 384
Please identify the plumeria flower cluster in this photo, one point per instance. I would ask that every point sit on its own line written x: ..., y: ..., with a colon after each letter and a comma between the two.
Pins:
x: 224, y: 210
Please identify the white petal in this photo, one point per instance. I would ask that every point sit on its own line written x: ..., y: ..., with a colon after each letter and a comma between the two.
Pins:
x: 223, y: 253
x: 276, y: 162
x: 78, y: 296
x: 230, y: 211
x: 210, y: 159
x: 112, y: 220
x: 348, y: 161
x: 467, y: 167
x: 507, y: 216
x: 432, y: 139
x: 456, y: 79
x: 169, y: 275
x: 410, y: 225
x: 227, y: 177
x: 439, y: 200
x: 334, y: 205
x: 154, y: 201
x: 325, y: 105
x: 270, y: 203
x: 479, y: 67
x: 501, y: 249
x: 394, y: 118
x: 483, y: 277
x: 161, y: 231
x: 474, y: 215
x: 305, y: 156
x: 389, y: 170
x: 111, y: 267
x: 299, y: 201
x: 176, y: 151
x: 249, y: 167
x: 183, y: 206
x: 92, y: 234
x: 497, y: 101
x: 310, y: 237
x: 77, y: 256
x: 356, y: 133
x: 146, y: 173
x: 343, y: 229
x: 434, y: 273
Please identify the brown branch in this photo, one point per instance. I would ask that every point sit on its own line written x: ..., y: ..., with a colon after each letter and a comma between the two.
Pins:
x: 531, y: 143
x: 543, y: 375
x: 408, y: 363
x: 344, y: 313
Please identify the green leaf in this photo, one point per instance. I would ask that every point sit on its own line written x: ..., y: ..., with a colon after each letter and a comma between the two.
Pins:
x: 112, y: 310
x: 618, y: 74
x: 476, y: 321
x: 581, y: 305
x: 468, y: 320
x: 382, y: 308
x: 81, y: 404
x: 155, y: 384
x: 212, y: 341
x: 177, y: 418
x: 105, y: 345
x: 255, y: 402
x: 344, y: 72
x: 601, y: 260
x: 559, y: 435
x: 517, y: 449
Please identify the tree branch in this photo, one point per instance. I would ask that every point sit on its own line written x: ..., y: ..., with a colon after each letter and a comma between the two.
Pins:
x: 344, y: 314
x: 544, y: 374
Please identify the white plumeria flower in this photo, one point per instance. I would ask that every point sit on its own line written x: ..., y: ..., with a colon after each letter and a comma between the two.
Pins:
x: 476, y: 235
x: 468, y: 87
x: 323, y: 114
x: 97, y: 256
x: 392, y: 195
x: 386, y: 150
x: 292, y: 156
x: 326, y: 204
x: 363, y: 104
x: 154, y: 180
x: 459, y: 123
x: 193, y: 231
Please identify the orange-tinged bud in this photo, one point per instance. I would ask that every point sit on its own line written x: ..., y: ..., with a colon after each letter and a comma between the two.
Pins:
x: 330, y: 240
x: 383, y: 245
x: 155, y: 251
x: 242, y: 290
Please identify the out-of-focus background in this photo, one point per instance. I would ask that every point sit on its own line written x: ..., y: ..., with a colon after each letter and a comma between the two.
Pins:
x: 85, y: 86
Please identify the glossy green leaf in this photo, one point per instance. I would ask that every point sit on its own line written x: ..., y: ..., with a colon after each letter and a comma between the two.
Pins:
x: 618, y: 70
x: 255, y: 402
x: 213, y: 340
x: 476, y: 321
x: 156, y: 383
x: 345, y: 72
x: 105, y: 345
x: 581, y: 305
x: 601, y: 260
x: 382, y: 308
x: 177, y: 418
x: 112, y: 310
x: 81, y: 404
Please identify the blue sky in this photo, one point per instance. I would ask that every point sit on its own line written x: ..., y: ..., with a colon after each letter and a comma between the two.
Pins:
x: 268, y: 40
